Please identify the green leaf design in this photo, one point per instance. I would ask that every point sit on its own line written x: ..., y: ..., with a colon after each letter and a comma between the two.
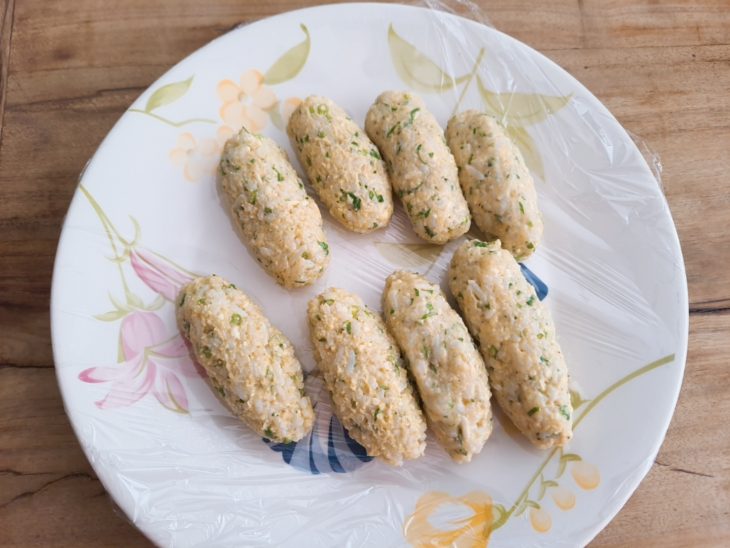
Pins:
x: 417, y: 70
x: 133, y: 300
x: 525, y: 505
x: 156, y: 304
x: 111, y: 316
x: 275, y: 116
x: 522, y: 109
x: 409, y: 255
x: 502, y: 516
x: 168, y: 94
x: 528, y: 149
x: 521, y: 509
x: 576, y: 400
x: 564, y: 460
x: 120, y: 349
x: 544, y: 486
x: 289, y: 64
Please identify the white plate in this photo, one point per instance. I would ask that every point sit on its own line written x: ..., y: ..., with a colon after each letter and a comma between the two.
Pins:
x: 147, y: 215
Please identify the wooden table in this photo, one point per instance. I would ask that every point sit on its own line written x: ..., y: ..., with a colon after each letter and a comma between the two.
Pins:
x: 69, y: 69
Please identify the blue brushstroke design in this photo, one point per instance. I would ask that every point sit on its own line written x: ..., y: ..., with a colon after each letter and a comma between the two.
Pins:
x: 338, y: 453
x: 541, y: 287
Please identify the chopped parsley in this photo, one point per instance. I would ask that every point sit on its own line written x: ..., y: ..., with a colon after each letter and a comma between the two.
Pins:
x: 533, y: 411
x: 324, y: 246
x: 412, y: 116
x: 564, y: 412
x: 430, y: 312
x: 236, y: 319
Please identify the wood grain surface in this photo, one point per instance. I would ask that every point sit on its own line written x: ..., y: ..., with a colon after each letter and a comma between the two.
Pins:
x: 69, y: 69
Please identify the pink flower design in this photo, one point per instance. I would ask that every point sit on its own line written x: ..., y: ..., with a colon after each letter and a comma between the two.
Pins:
x: 154, y: 362
x: 158, y: 274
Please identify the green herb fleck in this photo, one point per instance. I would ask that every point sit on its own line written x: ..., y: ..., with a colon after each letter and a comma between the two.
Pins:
x: 375, y: 154
x: 182, y: 299
x: 268, y: 210
x: 252, y: 197
x: 430, y: 232
x: 356, y: 201
x: 306, y: 256
x: 206, y: 352
x: 201, y: 301
x: 375, y: 415
x: 412, y: 116
x: 531, y: 300
x: 493, y: 351
x: 426, y: 351
x: 279, y: 176
x: 236, y: 319
x: 320, y: 134
x: 564, y: 412
x: 522, y: 208
x: 477, y: 243
x: 348, y: 327
x: 430, y: 312
x: 533, y: 411
x: 269, y: 433
x: 324, y: 246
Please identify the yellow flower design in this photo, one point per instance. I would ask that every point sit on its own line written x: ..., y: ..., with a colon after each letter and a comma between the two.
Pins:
x: 563, y: 498
x: 586, y: 475
x: 540, y: 520
x: 199, y: 157
x: 246, y: 103
x: 469, y: 532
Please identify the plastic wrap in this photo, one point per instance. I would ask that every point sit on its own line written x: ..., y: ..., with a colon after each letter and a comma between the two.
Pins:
x: 147, y: 217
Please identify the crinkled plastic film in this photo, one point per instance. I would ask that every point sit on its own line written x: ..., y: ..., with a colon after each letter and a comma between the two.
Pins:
x: 189, y: 474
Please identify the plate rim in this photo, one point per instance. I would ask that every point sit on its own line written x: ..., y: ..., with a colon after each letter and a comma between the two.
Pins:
x: 591, y: 532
